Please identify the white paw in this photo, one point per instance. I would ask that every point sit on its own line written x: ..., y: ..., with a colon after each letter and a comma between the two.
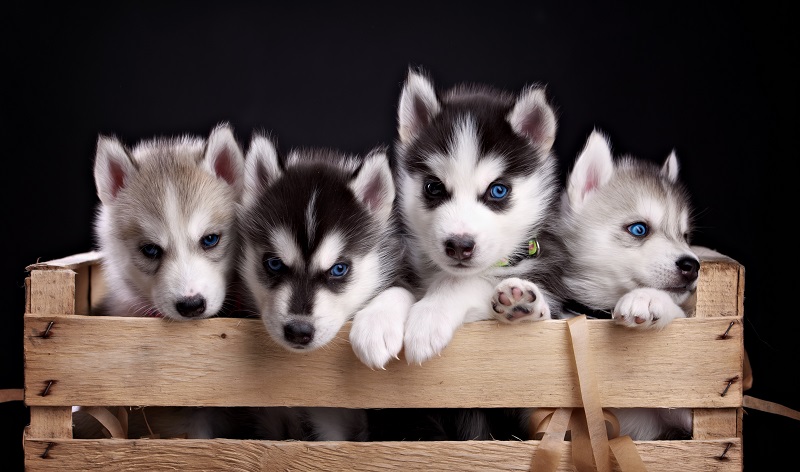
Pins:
x: 429, y: 330
x: 377, y: 331
x: 517, y: 300
x: 646, y: 308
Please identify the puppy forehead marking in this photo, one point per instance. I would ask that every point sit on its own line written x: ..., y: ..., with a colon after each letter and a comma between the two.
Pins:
x: 464, y: 168
x: 286, y: 246
x: 664, y: 214
x: 328, y: 252
x: 311, y: 216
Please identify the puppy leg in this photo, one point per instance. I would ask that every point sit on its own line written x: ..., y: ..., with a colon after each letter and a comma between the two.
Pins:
x: 517, y: 300
x: 646, y: 308
x: 377, y: 331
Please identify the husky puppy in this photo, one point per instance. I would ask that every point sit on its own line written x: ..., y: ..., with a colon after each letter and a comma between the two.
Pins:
x: 478, y: 195
x: 166, y: 224
x: 626, y: 226
x: 167, y: 232
x: 320, y: 249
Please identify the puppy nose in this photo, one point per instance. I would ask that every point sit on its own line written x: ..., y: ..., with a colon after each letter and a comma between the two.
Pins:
x: 298, y: 332
x: 191, y: 307
x: 459, y: 248
x: 688, y: 267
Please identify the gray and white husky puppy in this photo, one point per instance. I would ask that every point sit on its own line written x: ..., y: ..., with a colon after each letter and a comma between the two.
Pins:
x: 320, y: 248
x: 166, y: 225
x: 478, y: 195
x: 626, y: 225
x: 166, y: 230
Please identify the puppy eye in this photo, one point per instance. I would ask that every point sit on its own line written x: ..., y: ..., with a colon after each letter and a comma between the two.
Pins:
x: 498, y: 191
x: 208, y: 241
x: 339, y: 269
x: 153, y: 251
x: 435, y: 189
x: 274, y: 264
x: 639, y: 230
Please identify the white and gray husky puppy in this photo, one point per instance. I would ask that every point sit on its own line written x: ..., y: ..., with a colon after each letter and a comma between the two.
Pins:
x: 478, y: 195
x: 166, y: 230
x: 626, y: 225
x: 320, y: 249
x: 166, y: 224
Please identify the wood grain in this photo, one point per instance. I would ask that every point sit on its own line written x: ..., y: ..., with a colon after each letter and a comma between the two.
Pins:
x: 467, y: 456
x: 100, y: 361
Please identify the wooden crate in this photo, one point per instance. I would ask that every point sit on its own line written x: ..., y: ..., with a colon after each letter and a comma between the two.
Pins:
x: 74, y: 359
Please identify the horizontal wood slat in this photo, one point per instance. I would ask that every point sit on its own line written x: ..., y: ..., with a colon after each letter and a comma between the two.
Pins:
x: 100, y: 361
x: 467, y: 456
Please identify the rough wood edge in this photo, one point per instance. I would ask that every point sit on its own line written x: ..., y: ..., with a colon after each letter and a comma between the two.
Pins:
x: 247, y: 455
x: 69, y: 262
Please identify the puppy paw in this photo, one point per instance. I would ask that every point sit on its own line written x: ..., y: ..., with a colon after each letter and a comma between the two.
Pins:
x: 517, y: 300
x: 646, y: 308
x: 377, y: 331
x: 429, y: 330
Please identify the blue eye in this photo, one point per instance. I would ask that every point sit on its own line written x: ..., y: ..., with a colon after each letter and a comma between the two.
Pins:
x: 274, y: 264
x: 153, y: 251
x: 498, y: 191
x: 435, y: 188
x: 208, y: 241
x: 339, y: 269
x: 638, y: 229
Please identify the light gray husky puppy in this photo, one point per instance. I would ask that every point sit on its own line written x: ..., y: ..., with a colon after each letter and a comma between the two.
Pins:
x: 167, y: 233
x: 626, y: 226
x: 166, y: 224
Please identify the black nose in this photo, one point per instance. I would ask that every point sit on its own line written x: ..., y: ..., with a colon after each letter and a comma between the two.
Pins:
x: 459, y: 248
x: 688, y: 267
x: 191, y: 307
x: 298, y: 332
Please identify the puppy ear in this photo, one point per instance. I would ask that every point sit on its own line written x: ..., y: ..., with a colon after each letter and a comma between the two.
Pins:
x: 670, y: 167
x: 261, y: 168
x: 373, y: 184
x: 224, y: 157
x: 113, y: 168
x: 418, y: 105
x: 533, y: 118
x: 593, y: 168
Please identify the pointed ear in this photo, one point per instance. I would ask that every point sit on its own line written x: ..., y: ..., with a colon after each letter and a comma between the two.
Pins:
x: 373, y: 184
x: 224, y: 157
x: 113, y: 168
x: 261, y: 168
x: 670, y: 167
x: 593, y: 169
x: 418, y: 105
x: 533, y: 118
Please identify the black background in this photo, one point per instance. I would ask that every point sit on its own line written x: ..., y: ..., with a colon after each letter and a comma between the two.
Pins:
x: 715, y: 82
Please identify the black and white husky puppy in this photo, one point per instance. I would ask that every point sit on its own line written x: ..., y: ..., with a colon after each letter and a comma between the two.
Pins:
x: 627, y: 224
x: 320, y: 249
x: 478, y: 195
x: 478, y: 198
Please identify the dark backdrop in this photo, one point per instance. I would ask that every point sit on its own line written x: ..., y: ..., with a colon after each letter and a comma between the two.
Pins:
x: 714, y: 82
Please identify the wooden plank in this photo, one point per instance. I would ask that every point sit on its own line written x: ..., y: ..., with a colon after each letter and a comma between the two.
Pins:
x: 181, y: 454
x: 720, y: 286
x: 50, y: 422
x: 101, y: 361
x: 53, y: 291
x: 715, y: 423
x: 50, y: 290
